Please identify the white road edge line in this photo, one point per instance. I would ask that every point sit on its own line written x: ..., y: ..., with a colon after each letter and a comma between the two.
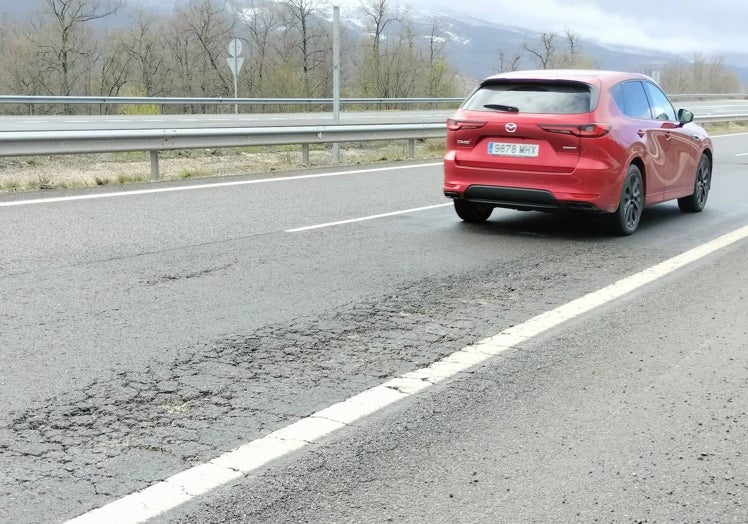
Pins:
x: 370, y: 217
x: 210, y: 186
x: 182, y: 487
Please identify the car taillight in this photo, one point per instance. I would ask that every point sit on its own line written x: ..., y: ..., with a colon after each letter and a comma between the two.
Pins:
x: 457, y: 125
x: 581, y: 130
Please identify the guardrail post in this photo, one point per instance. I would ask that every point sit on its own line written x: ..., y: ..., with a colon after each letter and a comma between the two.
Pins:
x: 155, y: 174
x: 305, y: 155
x: 411, y: 148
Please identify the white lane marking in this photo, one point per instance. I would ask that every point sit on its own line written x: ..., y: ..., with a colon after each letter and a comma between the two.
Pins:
x: 182, y: 487
x: 209, y: 186
x: 362, y: 219
x: 742, y: 154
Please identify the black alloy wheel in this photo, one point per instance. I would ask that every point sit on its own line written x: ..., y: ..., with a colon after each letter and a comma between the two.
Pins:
x: 626, y: 219
x: 695, y: 202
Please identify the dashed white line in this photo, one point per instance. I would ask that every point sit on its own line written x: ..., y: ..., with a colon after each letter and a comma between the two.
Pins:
x: 363, y: 219
x: 197, y: 187
x: 182, y: 487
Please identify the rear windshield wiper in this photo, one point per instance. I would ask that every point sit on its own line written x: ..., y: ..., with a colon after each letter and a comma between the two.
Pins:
x: 502, y: 107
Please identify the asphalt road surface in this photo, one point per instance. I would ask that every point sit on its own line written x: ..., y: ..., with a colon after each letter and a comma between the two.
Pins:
x: 148, y: 330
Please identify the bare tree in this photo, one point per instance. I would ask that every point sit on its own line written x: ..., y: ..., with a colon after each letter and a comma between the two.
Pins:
x: 373, y: 75
x: 572, y: 41
x: 62, y: 52
x: 399, y: 62
x: 21, y: 70
x: 301, y: 12
x: 197, y: 39
x: 209, y: 26
x: 63, y: 38
x: 5, y: 30
x: 555, y: 51
x: 378, y: 15
x: 146, y: 48
x: 311, y: 42
x: 113, y: 66
x: 699, y: 76
x: 261, y: 25
x: 721, y: 79
x: 544, y: 55
x: 507, y: 63
x: 440, y: 78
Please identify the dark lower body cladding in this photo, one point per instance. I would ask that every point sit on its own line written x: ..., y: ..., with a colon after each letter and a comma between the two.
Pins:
x: 522, y: 199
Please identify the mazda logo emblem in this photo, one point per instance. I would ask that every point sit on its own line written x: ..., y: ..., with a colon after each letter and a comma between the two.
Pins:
x: 511, y: 127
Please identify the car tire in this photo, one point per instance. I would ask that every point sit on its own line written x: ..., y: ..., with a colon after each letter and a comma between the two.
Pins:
x: 626, y: 218
x: 696, y: 201
x: 472, y: 212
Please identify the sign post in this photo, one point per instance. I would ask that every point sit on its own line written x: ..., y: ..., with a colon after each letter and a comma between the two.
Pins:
x: 235, y: 61
x: 336, y: 76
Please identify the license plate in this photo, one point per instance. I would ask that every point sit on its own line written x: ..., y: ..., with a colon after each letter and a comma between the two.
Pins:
x: 513, y: 149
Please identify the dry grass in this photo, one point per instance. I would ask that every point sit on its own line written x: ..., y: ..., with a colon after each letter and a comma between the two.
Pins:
x: 79, y: 171
x: 722, y: 128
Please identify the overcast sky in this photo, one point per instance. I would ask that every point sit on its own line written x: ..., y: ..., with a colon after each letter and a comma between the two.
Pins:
x: 681, y: 26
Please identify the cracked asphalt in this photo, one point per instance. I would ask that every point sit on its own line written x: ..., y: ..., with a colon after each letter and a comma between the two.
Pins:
x: 158, y: 420
x: 151, y: 334
x: 630, y: 415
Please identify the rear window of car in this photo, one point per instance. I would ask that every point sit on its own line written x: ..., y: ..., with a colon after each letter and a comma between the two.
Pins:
x: 532, y: 97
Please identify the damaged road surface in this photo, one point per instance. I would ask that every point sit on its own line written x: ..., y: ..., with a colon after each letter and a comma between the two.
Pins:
x: 145, y: 332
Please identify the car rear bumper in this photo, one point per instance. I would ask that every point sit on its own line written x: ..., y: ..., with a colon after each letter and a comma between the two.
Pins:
x: 586, y: 189
x: 519, y: 198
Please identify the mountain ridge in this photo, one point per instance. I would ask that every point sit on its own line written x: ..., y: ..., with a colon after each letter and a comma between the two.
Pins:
x: 472, y: 45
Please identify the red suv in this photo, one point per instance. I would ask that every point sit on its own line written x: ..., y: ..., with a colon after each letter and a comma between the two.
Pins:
x: 557, y: 140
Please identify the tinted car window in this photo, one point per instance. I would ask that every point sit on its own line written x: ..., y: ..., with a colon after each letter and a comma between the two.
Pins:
x: 632, y: 100
x: 541, y: 97
x: 662, y: 109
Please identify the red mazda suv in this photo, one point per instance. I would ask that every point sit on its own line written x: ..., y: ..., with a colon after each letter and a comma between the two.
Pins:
x: 571, y: 140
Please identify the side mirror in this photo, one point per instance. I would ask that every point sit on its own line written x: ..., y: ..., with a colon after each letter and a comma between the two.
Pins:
x: 685, y: 116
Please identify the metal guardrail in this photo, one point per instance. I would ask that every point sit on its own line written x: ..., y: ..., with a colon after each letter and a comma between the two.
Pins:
x: 31, y: 143
x: 708, y: 96
x: 27, y: 143
x: 715, y: 119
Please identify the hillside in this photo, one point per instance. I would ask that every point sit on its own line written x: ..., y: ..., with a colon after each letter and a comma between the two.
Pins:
x: 471, y: 44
